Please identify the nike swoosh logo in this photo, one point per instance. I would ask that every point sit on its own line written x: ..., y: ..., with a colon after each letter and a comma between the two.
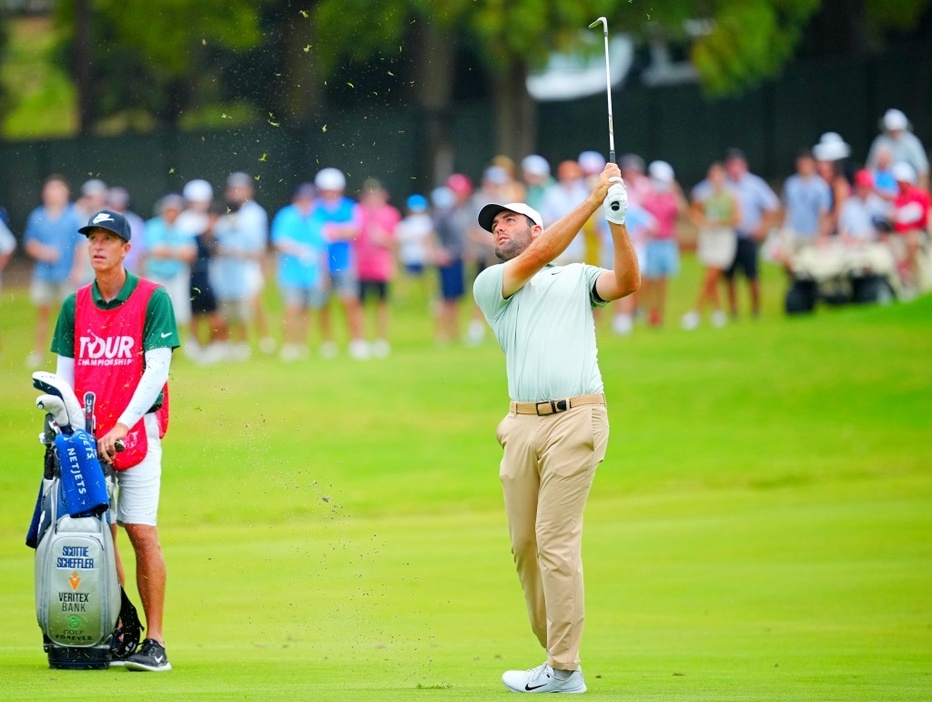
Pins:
x: 528, y: 688
x: 166, y: 334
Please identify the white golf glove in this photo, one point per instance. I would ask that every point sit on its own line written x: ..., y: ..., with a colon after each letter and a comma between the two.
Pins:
x: 616, y: 202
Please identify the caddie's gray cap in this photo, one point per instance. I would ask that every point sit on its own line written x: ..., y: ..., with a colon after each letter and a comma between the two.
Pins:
x: 111, y: 221
x: 488, y: 213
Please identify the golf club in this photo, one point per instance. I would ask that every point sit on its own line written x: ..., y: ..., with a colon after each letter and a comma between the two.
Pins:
x: 608, y: 89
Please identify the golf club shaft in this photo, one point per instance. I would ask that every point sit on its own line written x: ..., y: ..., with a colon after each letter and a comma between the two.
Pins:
x: 608, y: 88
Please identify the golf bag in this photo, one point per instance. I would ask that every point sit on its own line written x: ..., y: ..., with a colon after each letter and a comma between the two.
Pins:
x: 78, y: 593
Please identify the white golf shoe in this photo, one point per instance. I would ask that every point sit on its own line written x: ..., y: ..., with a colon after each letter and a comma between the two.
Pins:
x: 543, y: 679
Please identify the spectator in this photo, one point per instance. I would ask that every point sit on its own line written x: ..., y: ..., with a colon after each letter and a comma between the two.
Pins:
x: 716, y: 215
x: 560, y: 199
x: 7, y: 246
x: 882, y: 174
x: 118, y: 201
x: 340, y: 218
x: 169, y: 255
x: 662, y: 260
x: 536, y: 173
x: 857, y: 222
x: 903, y: 145
x: 415, y: 233
x: 758, y: 205
x: 374, y: 250
x: 206, y: 345
x: 52, y: 240
x: 910, y: 223
x: 633, y: 172
x: 298, y: 237
x: 831, y: 154
x: 807, y: 201
x: 452, y: 224
x: 240, y: 195
x: 595, y: 228
x: 513, y: 187
x: 240, y: 246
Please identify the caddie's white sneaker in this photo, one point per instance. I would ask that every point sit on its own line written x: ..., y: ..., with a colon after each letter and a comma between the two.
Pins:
x: 543, y: 679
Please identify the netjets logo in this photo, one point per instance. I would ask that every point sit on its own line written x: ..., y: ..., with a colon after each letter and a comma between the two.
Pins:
x: 102, y: 217
x: 114, y: 350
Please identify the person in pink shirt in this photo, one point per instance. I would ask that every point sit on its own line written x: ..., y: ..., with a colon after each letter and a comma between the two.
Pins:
x: 374, y: 250
x: 665, y: 202
x: 911, y: 221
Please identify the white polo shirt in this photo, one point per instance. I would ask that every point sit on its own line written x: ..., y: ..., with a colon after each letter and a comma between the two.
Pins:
x: 546, y: 330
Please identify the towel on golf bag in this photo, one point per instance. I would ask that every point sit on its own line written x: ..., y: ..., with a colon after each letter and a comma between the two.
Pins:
x: 82, y: 479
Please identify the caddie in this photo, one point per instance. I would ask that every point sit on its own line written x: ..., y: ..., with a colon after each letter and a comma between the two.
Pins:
x: 556, y: 431
x: 115, y: 338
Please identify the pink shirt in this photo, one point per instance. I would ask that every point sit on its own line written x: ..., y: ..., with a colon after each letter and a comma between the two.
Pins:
x: 663, y: 206
x: 375, y: 259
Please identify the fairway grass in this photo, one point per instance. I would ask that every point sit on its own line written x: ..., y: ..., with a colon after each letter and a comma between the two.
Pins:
x: 761, y: 528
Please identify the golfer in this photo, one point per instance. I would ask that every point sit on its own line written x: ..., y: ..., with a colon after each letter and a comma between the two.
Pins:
x: 115, y: 337
x: 556, y: 431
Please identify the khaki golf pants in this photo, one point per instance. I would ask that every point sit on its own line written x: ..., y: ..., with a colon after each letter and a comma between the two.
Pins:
x: 546, y: 471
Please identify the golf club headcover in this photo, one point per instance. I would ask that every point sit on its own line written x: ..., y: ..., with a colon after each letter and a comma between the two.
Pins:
x: 616, y: 202
x: 55, y: 406
x: 82, y: 479
x: 53, y: 384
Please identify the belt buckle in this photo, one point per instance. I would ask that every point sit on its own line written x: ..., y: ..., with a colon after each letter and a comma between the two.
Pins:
x: 555, y: 406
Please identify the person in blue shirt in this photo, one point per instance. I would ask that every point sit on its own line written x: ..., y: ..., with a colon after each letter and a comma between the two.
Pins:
x: 340, y: 219
x: 52, y: 240
x: 297, y: 235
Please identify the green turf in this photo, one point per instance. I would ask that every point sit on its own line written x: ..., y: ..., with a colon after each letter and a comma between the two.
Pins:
x: 761, y: 528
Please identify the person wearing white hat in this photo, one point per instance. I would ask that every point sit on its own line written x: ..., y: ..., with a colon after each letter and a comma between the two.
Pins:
x: 556, y: 430
x: 665, y: 202
x: 535, y: 172
x: 911, y: 220
x: 831, y: 154
x: 903, y: 145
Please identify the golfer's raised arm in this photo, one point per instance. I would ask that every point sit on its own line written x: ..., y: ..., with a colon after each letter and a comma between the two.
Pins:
x: 556, y: 238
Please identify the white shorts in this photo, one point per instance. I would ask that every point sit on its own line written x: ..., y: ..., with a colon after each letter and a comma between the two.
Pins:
x: 716, y: 247
x: 44, y: 293
x: 136, y: 498
x: 178, y: 288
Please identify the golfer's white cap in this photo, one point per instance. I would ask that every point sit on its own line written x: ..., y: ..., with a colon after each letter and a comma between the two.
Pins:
x: 903, y: 172
x: 490, y: 211
x: 198, y: 191
x: 894, y: 119
x: 330, y: 179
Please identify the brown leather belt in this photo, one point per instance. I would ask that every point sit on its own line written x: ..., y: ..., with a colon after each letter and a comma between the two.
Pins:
x: 547, y: 407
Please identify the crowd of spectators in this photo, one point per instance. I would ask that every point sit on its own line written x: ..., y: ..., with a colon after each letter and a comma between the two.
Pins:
x: 330, y: 252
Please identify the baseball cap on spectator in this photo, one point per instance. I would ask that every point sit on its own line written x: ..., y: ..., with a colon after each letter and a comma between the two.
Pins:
x: 172, y: 201
x: 459, y: 183
x: 903, y: 172
x: 631, y: 162
x: 735, y: 154
x: 535, y: 165
x: 198, y: 191
x: 238, y: 180
x: 831, y: 147
x: 490, y: 211
x: 330, y: 179
x: 417, y: 203
x: 111, y: 221
x: 894, y: 120
x: 305, y: 191
x: 94, y: 186
x: 496, y: 175
x: 118, y: 197
x: 863, y: 178
x: 591, y: 162
x: 442, y: 197
x: 661, y: 172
